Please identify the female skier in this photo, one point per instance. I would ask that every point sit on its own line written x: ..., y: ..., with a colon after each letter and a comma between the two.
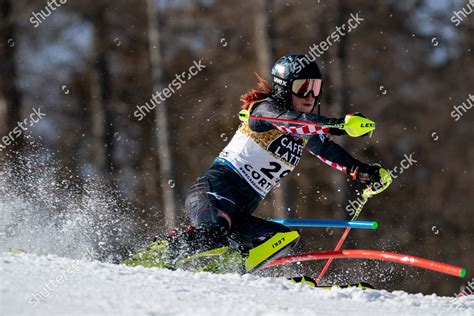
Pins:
x: 221, y: 201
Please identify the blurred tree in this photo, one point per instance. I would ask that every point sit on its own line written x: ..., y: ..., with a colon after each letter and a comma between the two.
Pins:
x: 103, y: 128
x: 167, y: 180
x: 339, y: 80
x: 10, y: 95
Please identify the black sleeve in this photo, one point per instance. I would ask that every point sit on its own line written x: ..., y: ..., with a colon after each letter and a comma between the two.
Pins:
x: 332, y: 154
x: 272, y: 110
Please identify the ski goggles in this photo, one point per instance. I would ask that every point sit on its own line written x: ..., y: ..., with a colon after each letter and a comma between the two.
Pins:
x: 302, y: 87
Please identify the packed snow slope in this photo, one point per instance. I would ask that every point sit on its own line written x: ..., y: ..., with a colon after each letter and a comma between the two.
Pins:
x: 50, y: 285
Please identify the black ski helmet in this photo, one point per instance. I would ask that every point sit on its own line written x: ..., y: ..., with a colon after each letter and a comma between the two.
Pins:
x: 289, y: 68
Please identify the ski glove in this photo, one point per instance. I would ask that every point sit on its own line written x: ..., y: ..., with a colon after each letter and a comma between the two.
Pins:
x: 337, y: 131
x: 374, y: 176
x: 354, y: 125
x: 367, y: 174
x: 361, y: 115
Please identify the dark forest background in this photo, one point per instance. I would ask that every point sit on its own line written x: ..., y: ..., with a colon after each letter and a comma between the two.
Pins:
x: 90, y: 63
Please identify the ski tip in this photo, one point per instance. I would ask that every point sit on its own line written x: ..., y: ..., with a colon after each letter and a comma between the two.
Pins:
x: 375, y: 225
x: 462, y: 273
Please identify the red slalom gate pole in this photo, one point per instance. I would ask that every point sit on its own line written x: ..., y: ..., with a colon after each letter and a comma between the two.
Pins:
x: 338, y: 247
x: 374, y: 255
x: 365, y: 195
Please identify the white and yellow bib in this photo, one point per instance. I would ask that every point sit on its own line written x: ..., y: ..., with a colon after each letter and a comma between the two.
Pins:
x: 263, y: 158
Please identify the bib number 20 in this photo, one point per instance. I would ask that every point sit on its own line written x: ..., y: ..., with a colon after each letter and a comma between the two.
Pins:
x: 274, y: 169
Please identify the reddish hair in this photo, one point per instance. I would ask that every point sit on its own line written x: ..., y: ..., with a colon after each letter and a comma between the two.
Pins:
x: 263, y: 91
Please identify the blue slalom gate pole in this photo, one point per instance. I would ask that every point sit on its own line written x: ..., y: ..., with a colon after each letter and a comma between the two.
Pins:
x: 326, y: 223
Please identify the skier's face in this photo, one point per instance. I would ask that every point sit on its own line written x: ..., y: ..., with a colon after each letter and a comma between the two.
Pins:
x: 305, y: 104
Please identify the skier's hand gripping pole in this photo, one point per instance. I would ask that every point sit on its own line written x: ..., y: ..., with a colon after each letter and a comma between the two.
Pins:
x: 356, y: 125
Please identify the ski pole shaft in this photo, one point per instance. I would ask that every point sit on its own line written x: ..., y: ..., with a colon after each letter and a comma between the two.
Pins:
x: 262, y: 118
x: 354, y: 126
x: 244, y: 116
x: 366, y: 195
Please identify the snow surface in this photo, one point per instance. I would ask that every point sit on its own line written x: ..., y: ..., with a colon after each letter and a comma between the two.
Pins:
x: 50, y: 285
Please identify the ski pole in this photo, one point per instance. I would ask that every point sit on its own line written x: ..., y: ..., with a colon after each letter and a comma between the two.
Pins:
x: 365, y: 197
x: 354, y: 126
x: 385, y: 180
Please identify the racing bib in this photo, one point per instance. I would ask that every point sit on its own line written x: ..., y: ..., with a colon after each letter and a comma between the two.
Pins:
x: 264, y: 158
